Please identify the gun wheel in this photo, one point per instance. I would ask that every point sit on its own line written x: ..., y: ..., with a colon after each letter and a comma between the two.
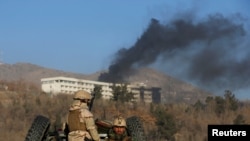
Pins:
x: 135, y: 128
x: 39, y: 129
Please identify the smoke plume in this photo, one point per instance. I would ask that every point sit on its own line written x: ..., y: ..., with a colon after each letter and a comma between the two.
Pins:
x: 211, y: 52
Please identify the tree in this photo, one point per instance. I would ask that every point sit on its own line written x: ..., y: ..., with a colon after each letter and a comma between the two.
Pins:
x: 231, y: 101
x: 239, y: 119
x: 165, y: 122
x: 209, y: 99
x: 121, y: 93
x: 98, y: 91
x: 199, y: 106
x: 219, y: 105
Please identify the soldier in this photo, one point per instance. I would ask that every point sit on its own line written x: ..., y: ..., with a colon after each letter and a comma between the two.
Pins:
x: 119, y: 130
x: 81, y: 124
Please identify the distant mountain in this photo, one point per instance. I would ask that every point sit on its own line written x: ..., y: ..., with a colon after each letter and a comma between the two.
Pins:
x: 172, y: 89
x: 34, y: 73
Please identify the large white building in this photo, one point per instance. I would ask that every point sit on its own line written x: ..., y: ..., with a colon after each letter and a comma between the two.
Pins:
x: 67, y: 85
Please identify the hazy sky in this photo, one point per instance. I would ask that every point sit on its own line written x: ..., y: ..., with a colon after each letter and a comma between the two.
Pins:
x: 83, y: 35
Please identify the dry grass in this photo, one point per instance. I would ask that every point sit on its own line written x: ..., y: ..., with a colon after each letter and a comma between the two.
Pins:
x: 20, y: 106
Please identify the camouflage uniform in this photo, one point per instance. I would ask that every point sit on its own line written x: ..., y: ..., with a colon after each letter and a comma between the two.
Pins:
x: 119, y: 130
x: 112, y: 136
x: 81, y: 123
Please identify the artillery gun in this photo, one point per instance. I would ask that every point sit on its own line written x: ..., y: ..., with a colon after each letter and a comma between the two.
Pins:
x: 40, y: 129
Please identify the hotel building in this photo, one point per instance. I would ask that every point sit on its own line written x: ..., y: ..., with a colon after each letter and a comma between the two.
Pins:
x: 67, y: 85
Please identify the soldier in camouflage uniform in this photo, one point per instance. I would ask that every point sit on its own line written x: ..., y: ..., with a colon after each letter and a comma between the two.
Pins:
x: 119, y: 130
x: 81, y: 125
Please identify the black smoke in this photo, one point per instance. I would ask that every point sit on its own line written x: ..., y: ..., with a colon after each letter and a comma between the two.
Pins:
x: 206, y: 52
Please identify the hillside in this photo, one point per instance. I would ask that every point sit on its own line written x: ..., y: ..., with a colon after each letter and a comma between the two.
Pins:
x: 34, y: 73
x: 173, y: 90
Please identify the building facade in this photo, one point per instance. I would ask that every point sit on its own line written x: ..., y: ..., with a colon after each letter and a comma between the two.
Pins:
x: 67, y: 85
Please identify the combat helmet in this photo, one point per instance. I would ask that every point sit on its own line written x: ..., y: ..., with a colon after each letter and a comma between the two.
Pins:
x: 81, y: 94
x: 119, y: 121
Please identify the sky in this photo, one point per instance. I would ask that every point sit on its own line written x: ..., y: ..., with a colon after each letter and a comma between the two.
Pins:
x: 83, y: 36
